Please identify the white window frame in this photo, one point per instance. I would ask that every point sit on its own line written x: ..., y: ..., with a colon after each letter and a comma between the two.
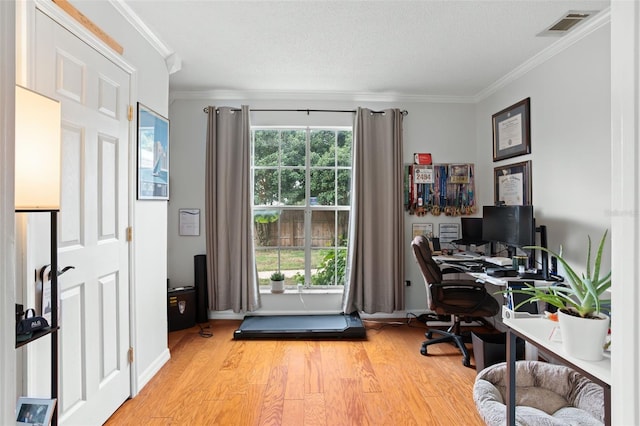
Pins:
x: 307, y: 208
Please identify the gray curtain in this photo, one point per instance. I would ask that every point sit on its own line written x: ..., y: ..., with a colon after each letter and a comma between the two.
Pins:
x: 231, y: 270
x: 376, y: 254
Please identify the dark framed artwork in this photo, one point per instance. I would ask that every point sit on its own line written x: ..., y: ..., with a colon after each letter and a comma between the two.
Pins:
x: 153, y: 155
x: 512, y: 131
x: 512, y: 184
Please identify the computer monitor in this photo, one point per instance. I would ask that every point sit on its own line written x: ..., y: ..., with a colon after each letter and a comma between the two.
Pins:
x: 471, y: 231
x: 510, y: 225
x: 515, y: 226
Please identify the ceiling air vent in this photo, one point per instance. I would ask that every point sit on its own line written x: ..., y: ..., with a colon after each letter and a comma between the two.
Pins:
x: 568, y: 22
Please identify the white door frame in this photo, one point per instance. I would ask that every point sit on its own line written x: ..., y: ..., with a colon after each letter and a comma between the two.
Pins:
x: 625, y: 216
x: 7, y: 214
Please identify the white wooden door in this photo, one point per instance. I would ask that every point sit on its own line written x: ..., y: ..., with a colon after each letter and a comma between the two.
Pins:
x: 94, y: 297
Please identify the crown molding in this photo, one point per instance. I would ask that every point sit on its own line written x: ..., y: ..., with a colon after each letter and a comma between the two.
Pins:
x: 588, y: 27
x: 315, y: 95
x: 171, y: 58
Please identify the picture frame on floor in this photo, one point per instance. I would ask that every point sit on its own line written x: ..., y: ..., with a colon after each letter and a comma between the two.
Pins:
x: 34, y: 411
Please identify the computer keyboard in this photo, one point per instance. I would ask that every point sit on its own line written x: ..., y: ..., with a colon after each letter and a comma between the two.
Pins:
x: 531, y: 276
x: 500, y: 261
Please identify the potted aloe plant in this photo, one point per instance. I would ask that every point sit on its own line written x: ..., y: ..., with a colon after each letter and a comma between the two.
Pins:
x: 580, y: 304
x: 277, y: 282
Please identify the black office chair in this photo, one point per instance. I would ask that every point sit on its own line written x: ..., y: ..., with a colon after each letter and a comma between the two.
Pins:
x: 463, y: 299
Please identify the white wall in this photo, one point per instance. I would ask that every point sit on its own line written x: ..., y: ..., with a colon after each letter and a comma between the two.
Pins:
x: 570, y: 143
x: 447, y: 130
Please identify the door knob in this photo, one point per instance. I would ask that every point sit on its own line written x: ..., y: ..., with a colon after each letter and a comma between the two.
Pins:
x: 46, y: 270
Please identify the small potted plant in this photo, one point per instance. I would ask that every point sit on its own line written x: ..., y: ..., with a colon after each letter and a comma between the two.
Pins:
x: 277, y: 282
x: 579, y: 304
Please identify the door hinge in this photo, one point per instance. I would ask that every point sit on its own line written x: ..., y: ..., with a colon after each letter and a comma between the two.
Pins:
x: 129, y: 233
x: 130, y: 113
x: 130, y: 355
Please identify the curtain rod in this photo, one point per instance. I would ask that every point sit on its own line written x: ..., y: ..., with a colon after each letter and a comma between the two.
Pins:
x: 353, y: 111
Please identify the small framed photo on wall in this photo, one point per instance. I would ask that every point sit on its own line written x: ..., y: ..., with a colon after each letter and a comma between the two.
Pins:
x: 513, y: 184
x: 425, y: 229
x: 512, y: 131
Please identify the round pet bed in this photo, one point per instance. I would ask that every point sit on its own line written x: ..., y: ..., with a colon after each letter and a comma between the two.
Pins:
x: 546, y: 394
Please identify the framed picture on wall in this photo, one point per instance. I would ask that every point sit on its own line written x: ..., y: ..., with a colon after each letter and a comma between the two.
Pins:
x: 512, y: 131
x: 513, y: 184
x: 425, y: 229
x: 153, y: 155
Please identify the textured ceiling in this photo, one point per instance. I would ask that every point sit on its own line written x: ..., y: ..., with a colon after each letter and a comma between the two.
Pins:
x: 406, y: 48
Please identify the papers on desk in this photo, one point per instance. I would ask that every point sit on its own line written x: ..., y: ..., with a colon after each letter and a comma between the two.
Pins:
x: 500, y: 261
x: 467, y: 266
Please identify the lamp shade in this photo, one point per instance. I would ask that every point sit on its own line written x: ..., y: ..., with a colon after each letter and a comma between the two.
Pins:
x: 37, y: 151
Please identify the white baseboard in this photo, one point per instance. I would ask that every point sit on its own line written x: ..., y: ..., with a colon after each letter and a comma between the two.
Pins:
x: 152, y: 370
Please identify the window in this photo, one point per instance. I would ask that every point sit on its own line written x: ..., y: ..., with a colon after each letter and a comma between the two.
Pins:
x: 301, y: 203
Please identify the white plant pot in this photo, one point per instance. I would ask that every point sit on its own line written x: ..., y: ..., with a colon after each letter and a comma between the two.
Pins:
x: 277, y: 286
x: 583, y: 338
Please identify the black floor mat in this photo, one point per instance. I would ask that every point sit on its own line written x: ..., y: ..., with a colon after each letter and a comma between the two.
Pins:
x: 337, y: 326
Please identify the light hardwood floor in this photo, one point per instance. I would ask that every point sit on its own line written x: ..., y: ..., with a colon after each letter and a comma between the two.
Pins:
x: 381, y: 381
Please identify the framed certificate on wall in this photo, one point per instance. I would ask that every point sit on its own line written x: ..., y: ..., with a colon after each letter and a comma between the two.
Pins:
x: 513, y: 184
x: 512, y: 131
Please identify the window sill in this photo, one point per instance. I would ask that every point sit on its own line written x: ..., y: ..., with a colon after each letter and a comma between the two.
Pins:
x: 294, y: 291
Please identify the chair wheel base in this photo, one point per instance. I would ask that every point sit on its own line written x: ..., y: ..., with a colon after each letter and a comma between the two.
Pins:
x: 423, y: 350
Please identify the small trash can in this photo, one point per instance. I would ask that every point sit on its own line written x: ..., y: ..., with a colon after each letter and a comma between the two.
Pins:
x: 491, y: 348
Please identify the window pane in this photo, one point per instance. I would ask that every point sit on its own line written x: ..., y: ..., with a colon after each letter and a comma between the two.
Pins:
x: 293, y: 187
x: 344, y: 187
x: 265, y: 187
x: 323, y: 187
x: 266, y: 263
x: 265, y: 223
x: 344, y: 148
x: 323, y: 144
x: 292, y: 228
x: 323, y: 228
x: 266, y: 145
x: 293, y: 147
x: 329, y: 267
x: 292, y: 265
x: 289, y: 261
x: 343, y: 228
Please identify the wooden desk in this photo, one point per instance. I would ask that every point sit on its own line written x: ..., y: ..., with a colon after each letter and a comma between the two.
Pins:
x: 537, y: 331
